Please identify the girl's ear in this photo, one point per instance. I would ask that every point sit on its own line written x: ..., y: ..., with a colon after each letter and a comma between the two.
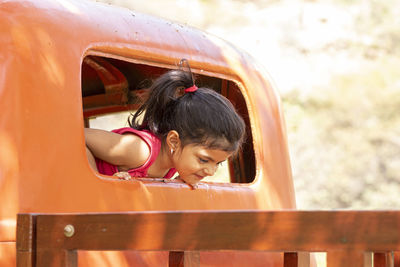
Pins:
x: 173, y: 140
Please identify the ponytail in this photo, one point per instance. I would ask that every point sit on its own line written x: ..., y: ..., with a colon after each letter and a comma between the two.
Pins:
x: 162, y: 98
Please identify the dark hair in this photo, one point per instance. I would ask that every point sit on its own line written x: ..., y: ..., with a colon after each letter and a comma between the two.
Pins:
x: 202, y: 117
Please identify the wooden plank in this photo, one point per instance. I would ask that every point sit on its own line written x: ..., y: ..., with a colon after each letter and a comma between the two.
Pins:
x: 348, y: 258
x: 396, y: 259
x: 290, y: 259
x: 56, y: 258
x: 382, y: 259
x: 26, y: 240
x: 25, y: 259
x: 252, y: 230
x: 176, y: 259
x: 379, y: 259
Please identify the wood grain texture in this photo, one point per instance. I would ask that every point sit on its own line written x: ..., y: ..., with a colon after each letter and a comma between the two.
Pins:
x: 396, y: 259
x: 251, y: 230
x: 176, y: 259
x: 26, y: 234
x: 25, y: 259
x: 347, y: 236
x: 290, y: 259
x: 382, y: 259
x: 56, y: 258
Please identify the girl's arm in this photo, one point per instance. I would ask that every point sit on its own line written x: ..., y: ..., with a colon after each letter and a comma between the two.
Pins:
x: 124, y: 150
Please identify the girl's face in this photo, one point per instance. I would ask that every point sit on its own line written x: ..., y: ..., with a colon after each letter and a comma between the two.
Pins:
x: 195, y: 162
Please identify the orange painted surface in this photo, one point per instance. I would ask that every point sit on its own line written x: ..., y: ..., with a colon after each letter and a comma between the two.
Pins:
x: 7, y: 254
x: 43, y: 165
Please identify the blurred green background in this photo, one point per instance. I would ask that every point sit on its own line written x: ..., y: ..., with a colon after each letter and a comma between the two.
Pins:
x: 336, y: 64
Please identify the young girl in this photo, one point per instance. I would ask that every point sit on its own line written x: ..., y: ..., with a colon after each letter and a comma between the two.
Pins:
x: 185, y: 129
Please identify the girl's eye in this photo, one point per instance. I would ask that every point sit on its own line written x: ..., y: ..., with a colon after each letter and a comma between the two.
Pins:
x: 203, y: 160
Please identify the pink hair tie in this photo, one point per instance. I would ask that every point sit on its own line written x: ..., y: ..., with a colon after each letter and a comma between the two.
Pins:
x: 191, y: 89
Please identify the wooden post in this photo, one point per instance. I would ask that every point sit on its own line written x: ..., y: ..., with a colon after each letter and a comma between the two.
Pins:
x: 396, y: 259
x: 383, y: 259
x: 26, y: 240
x: 56, y: 258
x: 290, y: 259
x: 176, y: 259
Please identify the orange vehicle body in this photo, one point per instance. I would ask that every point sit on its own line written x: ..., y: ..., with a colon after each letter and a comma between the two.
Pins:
x: 43, y: 164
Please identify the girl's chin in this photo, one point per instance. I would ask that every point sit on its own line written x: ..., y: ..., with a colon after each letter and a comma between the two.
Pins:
x: 190, y: 181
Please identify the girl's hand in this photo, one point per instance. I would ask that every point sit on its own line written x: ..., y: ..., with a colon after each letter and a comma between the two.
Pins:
x: 192, y: 186
x: 123, y: 175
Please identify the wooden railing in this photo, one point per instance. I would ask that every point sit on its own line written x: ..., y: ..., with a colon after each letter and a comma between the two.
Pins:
x: 350, y: 238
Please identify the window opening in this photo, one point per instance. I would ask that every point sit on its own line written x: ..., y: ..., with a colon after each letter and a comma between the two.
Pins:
x: 113, y: 88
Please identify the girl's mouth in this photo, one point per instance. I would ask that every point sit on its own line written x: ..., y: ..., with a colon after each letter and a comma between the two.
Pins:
x: 199, y: 177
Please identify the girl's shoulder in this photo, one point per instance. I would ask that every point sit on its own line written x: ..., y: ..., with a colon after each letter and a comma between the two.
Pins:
x: 145, y: 135
x: 137, y: 146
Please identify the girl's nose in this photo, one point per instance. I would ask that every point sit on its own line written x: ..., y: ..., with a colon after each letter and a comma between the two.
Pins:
x: 210, y: 170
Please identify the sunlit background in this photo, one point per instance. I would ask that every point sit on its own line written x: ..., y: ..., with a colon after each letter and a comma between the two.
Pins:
x: 336, y: 64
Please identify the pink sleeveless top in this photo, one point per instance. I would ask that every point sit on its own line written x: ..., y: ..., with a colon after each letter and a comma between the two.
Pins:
x: 154, y: 144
